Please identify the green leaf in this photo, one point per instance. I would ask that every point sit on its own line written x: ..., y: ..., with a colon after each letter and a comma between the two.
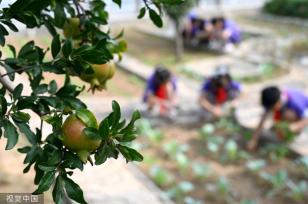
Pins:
x: 53, y: 87
x: 13, y: 50
x: 119, y: 2
x: 31, y: 155
x: 59, y: 15
x: 3, y: 30
x: 104, y: 128
x: 25, y: 129
x: 87, y: 117
x: 73, y: 190
x: 47, y: 168
x: 116, y: 113
x: 3, y: 106
x: 21, y: 117
x: 103, y: 154
x: 10, y: 25
x: 2, y: 40
x: 10, y: 133
x: 155, y: 18
x: 67, y: 47
x: 92, y: 133
x: 26, y: 50
x: 71, y: 161
x: 55, y: 46
x: 58, y: 191
x: 142, y: 12
x: 129, y: 153
x: 45, y: 182
x: 24, y: 150
x: 17, y: 91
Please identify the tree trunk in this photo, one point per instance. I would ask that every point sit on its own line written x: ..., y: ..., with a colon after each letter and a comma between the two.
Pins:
x: 179, y: 48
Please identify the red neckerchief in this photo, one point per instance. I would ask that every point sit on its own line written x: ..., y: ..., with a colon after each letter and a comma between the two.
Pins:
x: 162, y: 92
x: 221, y: 95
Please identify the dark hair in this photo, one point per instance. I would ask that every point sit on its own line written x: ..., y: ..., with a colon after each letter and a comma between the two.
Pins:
x: 270, y: 96
x: 161, y: 76
x: 216, y: 20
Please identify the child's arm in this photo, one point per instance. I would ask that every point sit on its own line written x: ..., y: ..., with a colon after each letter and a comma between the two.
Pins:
x: 297, y: 127
x: 252, y: 144
x: 209, y: 107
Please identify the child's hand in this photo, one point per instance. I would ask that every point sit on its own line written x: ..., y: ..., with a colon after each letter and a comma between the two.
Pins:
x: 295, y: 127
x: 217, y: 110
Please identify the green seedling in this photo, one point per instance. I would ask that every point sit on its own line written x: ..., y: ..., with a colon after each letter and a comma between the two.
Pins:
x: 213, y: 147
x: 182, y: 161
x: 231, y: 149
x: 277, y: 181
x: 284, y: 128
x: 173, y: 148
x: 256, y: 165
x: 190, y: 200
x: 297, y: 191
x: 145, y: 128
x: 201, y: 170
x: 214, y: 142
x: 277, y: 151
x: 228, y: 124
x: 207, y: 131
x: 179, y: 191
x: 223, y: 186
x: 161, y: 176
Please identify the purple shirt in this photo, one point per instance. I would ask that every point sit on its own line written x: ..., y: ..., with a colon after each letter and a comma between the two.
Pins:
x: 233, y: 90
x: 233, y: 86
x: 296, y: 101
x: 150, y: 87
x: 234, y: 30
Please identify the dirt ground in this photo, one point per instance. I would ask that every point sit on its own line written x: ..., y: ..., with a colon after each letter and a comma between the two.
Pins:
x: 243, y: 184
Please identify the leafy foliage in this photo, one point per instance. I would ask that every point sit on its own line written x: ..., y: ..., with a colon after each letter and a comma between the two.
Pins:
x: 82, y: 45
x: 297, y: 8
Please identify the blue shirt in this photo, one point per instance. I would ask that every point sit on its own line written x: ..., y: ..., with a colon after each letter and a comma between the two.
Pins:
x: 233, y: 86
x: 151, y: 89
x: 297, y: 101
x: 234, y: 30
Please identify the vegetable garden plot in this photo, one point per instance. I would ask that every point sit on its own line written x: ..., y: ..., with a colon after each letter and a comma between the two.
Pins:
x: 208, y: 165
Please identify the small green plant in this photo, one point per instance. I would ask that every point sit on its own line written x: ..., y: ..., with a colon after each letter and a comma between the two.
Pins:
x: 201, y: 170
x: 228, y: 124
x: 182, y: 161
x: 276, y: 151
x: 179, y: 191
x: 297, y: 191
x: 277, y: 181
x: 145, y: 128
x: 214, y: 143
x: 223, y: 186
x: 207, y: 131
x: 161, y: 176
x: 256, y: 165
x: 190, y: 200
x: 173, y: 148
x: 232, y: 149
x: 284, y: 129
